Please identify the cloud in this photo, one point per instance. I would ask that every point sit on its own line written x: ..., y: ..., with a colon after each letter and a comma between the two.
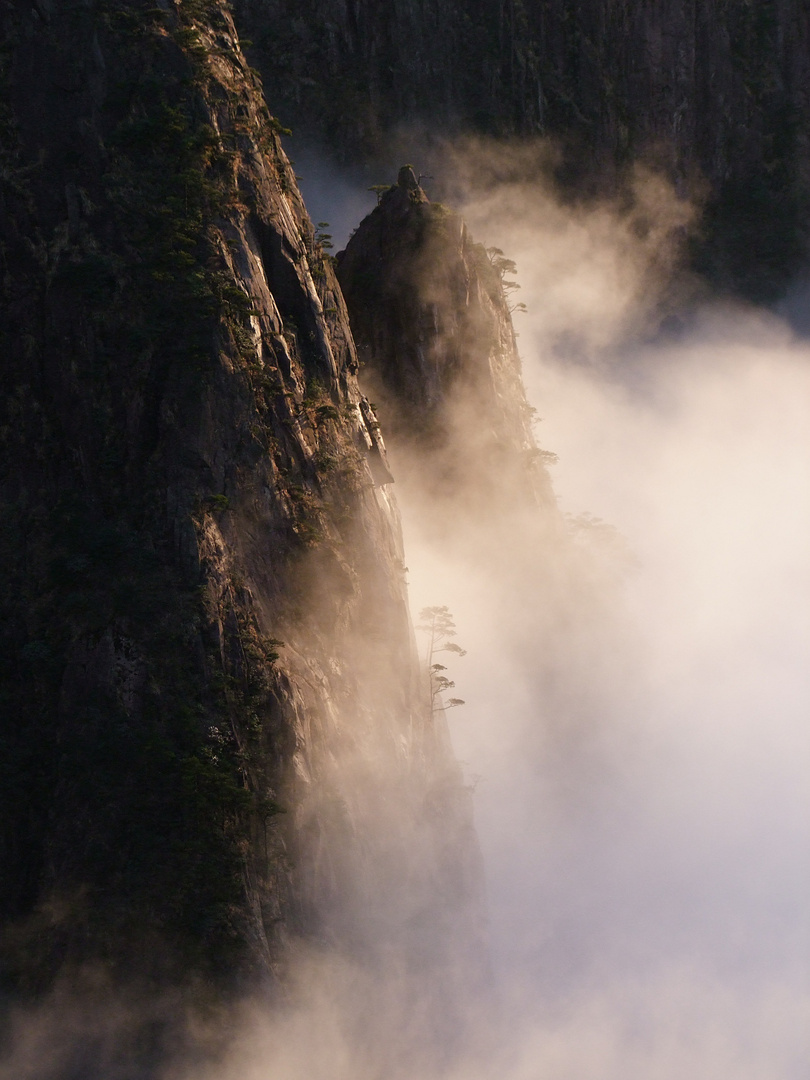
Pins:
x: 641, y: 738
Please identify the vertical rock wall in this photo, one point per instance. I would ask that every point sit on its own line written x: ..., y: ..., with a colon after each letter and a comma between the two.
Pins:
x: 214, y: 733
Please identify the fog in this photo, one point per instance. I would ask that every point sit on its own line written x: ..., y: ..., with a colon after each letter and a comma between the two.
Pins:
x: 657, y: 871
x: 636, y: 684
x: 636, y: 687
x: 645, y: 815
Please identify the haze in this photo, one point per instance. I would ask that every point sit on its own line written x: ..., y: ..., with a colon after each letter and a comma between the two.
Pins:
x: 644, y: 807
x: 636, y: 679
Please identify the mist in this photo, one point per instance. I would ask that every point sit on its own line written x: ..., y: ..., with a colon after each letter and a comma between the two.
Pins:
x: 635, y: 730
x: 641, y: 746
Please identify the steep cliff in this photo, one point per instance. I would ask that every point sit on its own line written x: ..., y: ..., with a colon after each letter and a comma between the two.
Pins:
x: 713, y: 91
x: 430, y: 311
x: 215, y: 735
x: 431, y: 317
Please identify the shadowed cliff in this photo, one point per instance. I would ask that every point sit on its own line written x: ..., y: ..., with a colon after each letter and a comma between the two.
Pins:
x: 215, y: 734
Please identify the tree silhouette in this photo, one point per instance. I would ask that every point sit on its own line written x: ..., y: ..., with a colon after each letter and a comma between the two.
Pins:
x: 502, y: 267
x: 323, y: 238
x: 437, y: 623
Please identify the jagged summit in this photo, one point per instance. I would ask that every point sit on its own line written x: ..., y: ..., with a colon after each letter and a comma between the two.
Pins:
x: 407, y: 179
x: 433, y: 327
x: 714, y: 92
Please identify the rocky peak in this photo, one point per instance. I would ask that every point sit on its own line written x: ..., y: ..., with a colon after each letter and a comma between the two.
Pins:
x: 713, y: 91
x: 432, y: 324
x: 407, y: 179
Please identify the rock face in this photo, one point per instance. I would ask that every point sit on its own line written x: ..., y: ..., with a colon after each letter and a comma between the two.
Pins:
x: 431, y: 318
x: 216, y: 737
x: 707, y: 88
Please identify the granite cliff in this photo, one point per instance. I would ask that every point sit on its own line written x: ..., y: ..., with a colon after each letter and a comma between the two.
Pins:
x: 216, y: 734
x: 217, y: 741
x: 430, y: 313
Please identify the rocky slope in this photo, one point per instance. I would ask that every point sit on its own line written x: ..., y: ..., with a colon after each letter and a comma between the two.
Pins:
x: 215, y: 735
x: 717, y: 93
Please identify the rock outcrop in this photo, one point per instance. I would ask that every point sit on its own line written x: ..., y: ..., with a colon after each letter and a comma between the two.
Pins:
x: 215, y: 734
x: 431, y: 317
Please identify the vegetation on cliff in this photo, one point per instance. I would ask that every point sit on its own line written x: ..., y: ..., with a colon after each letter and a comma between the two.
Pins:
x: 189, y: 473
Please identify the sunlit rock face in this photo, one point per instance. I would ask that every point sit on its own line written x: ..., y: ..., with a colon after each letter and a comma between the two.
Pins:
x: 430, y: 311
x: 217, y: 738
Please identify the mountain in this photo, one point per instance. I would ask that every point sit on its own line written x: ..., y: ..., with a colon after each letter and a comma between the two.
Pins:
x: 220, y: 748
x: 217, y: 737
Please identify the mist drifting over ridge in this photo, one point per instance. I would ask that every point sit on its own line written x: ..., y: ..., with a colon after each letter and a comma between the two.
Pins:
x: 635, y: 727
x: 235, y: 840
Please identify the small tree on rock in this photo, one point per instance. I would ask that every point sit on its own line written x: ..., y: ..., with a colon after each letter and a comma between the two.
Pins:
x: 502, y: 267
x: 437, y: 623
